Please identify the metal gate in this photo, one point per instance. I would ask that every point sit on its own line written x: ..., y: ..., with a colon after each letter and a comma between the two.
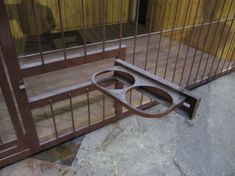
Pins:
x: 190, y: 54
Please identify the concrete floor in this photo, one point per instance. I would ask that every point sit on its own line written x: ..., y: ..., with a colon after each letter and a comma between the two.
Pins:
x: 169, y: 146
x: 32, y: 167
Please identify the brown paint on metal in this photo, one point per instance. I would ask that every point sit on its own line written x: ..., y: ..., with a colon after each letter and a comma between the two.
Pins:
x: 8, y: 145
x: 53, y: 118
x: 30, y: 139
x: 217, y: 67
x: 58, y: 65
x: 8, y: 97
x: 11, y: 61
x: 62, y: 30
x: 171, y: 39
x: 190, y: 40
x: 172, y: 96
x: 204, y: 45
x: 211, y: 45
x: 198, y: 40
x: 37, y: 32
x: 71, y: 109
x: 227, y: 54
x: 159, y: 43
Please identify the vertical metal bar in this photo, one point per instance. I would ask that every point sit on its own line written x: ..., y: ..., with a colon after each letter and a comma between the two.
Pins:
x: 65, y: 14
x: 53, y: 118
x: 159, y: 42
x: 93, y: 11
x: 220, y: 58
x: 8, y: 97
x: 121, y: 23
x: 149, y: 33
x: 84, y: 30
x: 37, y: 33
x: 136, y: 33
x: 231, y: 60
x: 211, y: 45
x: 103, y: 16
x: 112, y: 11
x: 14, y: 72
x: 136, y: 29
x: 148, y: 42
x: 222, y: 68
x: 118, y: 10
x: 172, y: 32
x: 88, y: 107
x: 205, y: 42
x: 103, y: 99
x: 71, y: 109
x: 227, y: 54
x: 117, y: 105
x: 62, y: 29
x: 217, y: 48
x: 198, y: 40
x: 75, y: 19
x: 181, y: 39
x: 194, y: 23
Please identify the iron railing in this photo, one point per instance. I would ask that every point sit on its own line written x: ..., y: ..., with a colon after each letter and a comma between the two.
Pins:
x: 186, y: 42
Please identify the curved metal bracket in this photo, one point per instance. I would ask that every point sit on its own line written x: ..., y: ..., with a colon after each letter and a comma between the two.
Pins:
x: 173, y: 97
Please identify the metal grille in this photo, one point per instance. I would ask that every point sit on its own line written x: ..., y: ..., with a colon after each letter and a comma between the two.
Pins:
x: 186, y: 42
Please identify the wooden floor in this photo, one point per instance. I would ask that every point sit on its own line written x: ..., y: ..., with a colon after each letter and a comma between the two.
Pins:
x: 53, y: 81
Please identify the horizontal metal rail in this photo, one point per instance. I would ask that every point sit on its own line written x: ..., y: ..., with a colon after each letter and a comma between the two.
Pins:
x: 56, y: 63
x: 181, y: 28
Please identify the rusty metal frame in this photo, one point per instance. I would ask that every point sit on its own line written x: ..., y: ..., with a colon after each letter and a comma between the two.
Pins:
x: 17, y: 144
x: 27, y: 141
x: 170, y: 95
x: 14, y: 72
x: 58, y: 64
x: 59, y: 59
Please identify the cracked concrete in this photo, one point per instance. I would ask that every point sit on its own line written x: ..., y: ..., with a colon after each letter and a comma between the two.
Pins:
x: 168, y: 146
